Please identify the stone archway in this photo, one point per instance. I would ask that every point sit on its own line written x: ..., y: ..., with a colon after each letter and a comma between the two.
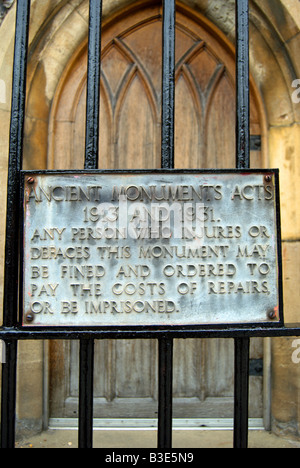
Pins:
x: 130, y: 138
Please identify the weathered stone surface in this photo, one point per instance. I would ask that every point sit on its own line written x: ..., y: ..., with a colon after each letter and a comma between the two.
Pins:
x: 285, y: 388
x: 5, y: 5
x: 291, y: 276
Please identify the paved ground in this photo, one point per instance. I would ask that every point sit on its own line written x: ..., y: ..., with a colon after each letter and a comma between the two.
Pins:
x: 147, y: 439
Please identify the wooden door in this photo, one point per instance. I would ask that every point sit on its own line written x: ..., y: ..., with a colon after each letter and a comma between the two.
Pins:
x: 126, y: 371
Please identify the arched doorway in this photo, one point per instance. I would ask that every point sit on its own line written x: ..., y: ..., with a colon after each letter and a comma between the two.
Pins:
x: 126, y: 371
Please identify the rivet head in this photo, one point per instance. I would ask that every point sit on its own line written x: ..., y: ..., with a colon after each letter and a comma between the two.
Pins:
x: 29, y: 317
x: 268, y: 178
x: 272, y: 314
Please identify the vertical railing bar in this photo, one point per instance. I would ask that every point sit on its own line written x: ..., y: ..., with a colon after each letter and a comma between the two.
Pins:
x: 8, y: 395
x: 86, y: 386
x: 242, y: 85
x: 11, y: 275
x: 241, y: 396
x: 168, y: 85
x: 242, y: 345
x: 86, y: 358
x: 165, y: 350
x: 165, y: 389
x: 93, y: 86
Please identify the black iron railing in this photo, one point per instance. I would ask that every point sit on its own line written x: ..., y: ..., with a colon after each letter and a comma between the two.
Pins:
x: 12, y: 331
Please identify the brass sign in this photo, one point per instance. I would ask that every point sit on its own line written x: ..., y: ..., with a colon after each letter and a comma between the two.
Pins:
x: 151, y: 249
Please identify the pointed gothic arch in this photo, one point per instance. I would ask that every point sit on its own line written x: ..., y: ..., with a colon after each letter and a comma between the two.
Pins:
x: 205, y: 96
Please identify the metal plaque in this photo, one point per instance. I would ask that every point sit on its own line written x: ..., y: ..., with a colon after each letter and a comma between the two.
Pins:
x: 160, y: 248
